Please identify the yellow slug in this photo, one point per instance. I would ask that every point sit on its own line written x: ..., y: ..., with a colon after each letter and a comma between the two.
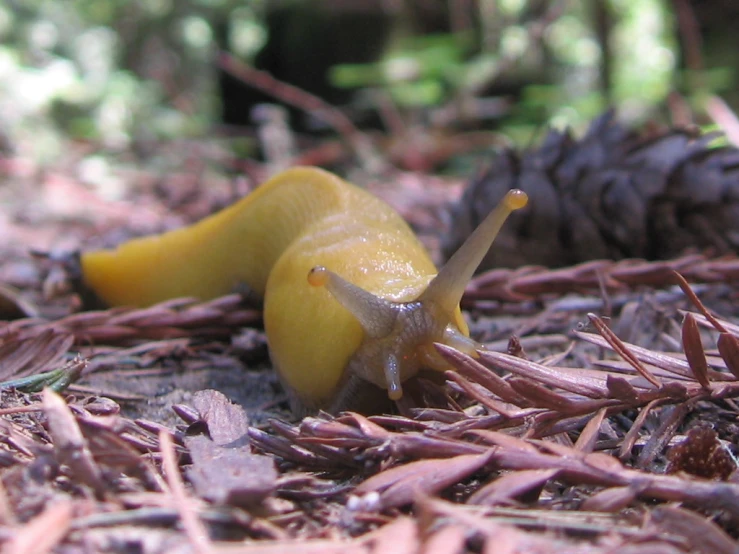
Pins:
x: 350, y: 294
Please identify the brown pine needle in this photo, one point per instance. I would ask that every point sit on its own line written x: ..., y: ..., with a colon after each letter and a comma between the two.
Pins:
x: 194, y: 528
x: 620, y: 348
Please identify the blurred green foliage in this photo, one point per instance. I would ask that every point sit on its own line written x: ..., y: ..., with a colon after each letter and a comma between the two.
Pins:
x: 124, y: 73
x: 417, y: 71
x: 424, y: 71
x: 110, y: 72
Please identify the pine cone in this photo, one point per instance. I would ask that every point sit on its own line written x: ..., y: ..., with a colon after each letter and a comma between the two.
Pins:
x: 611, y: 195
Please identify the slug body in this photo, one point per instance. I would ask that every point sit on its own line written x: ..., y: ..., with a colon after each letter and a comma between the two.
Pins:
x: 345, y: 284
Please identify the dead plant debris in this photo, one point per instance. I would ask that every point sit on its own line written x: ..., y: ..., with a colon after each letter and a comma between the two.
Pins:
x: 536, y: 453
x: 603, y: 417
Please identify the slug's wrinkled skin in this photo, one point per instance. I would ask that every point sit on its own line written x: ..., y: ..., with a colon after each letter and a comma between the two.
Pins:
x: 355, y: 321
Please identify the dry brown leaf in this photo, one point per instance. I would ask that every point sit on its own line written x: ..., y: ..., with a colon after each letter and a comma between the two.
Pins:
x: 479, y: 394
x: 70, y: 446
x: 450, y: 539
x: 683, y: 284
x: 400, y: 485
x: 22, y: 355
x: 514, y: 486
x: 620, y: 348
x: 298, y: 546
x: 106, y: 438
x: 475, y: 371
x: 610, y: 500
x: 527, y: 282
x: 693, y: 348
x: 181, y: 317
x: 13, y: 305
x: 224, y: 470
x: 704, y: 536
x: 230, y: 475
x: 502, y: 439
x: 399, y: 537
x: 660, y: 359
x: 589, y: 435
x: 43, y: 532
x: 569, y: 379
x: 542, y: 397
x: 728, y: 347
x: 621, y: 389
x: 670, y: 419
x: 632, y: 434
x: 227, y: 422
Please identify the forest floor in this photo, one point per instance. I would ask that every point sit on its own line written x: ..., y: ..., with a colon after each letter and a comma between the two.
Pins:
x: 602, y: 417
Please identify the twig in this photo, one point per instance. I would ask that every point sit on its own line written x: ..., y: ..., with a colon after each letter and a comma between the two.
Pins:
x: 531, y: 282
x: 293, y: 96
x: 724, y: 117
x: 194, y: 528
x: 691, y: 39
x: 6, y: 510
x: 177, y: 318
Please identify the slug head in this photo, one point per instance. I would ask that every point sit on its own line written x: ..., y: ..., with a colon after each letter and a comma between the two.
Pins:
x: 399, y: 336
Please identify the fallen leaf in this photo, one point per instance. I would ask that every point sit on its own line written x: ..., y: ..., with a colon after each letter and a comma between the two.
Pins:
x: 224, y: 470
x: 513, y: 486
x: 400, y: 485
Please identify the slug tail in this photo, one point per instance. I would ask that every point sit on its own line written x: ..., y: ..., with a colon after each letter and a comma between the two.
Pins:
x: 234, y: 247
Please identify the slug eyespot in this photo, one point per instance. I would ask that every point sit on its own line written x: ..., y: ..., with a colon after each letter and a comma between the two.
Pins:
x: 318, y: 276
x: 515, y: 199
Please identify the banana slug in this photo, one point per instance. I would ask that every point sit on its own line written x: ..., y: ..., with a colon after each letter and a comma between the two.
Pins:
x: 350, y: 294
